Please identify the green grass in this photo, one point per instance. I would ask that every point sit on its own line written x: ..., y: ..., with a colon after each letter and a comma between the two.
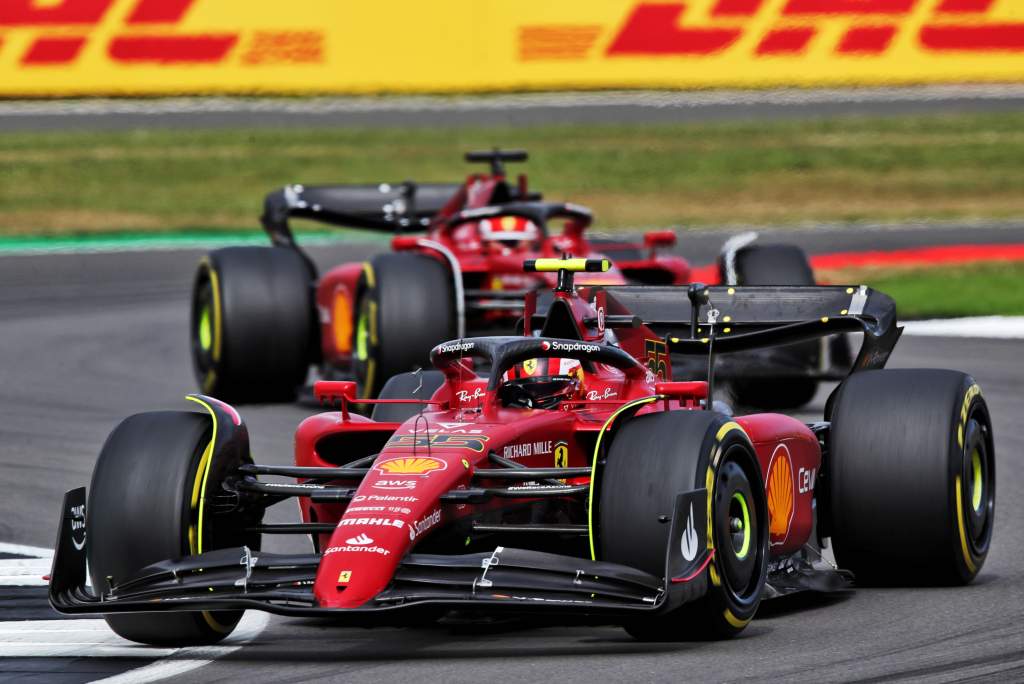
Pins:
x: 945, y: 292
x: 944, y: 167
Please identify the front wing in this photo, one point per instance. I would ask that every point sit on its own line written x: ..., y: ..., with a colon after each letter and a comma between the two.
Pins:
x: 503, y: 581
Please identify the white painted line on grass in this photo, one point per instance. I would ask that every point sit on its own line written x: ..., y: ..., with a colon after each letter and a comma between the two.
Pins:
x: 992, y: 327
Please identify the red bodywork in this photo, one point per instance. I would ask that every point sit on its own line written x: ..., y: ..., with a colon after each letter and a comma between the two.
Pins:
x: 489, y: 261
x: 397, y: 505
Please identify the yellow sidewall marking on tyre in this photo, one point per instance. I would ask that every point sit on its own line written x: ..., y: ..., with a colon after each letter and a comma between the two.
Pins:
x: 593, y: 467
x: 962, y: 529
x: 217, y: 326
x: 972, y: 391
x: 198, y: 500
x: 371, y: 370
x: 368, y: 272
x: 199, y: 493
x: 733, y: 620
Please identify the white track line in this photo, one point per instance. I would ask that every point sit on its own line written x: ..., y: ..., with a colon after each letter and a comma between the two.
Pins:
x: 94, y: 639
x: 24, y: 572
x: 23, y: 550
x: 993, y: 327
x: 187, y: 659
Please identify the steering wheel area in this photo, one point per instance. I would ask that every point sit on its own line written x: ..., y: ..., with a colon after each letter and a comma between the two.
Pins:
x: 545, y: 392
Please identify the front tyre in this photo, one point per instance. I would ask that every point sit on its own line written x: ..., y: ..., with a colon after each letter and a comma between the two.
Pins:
x: 145, y: 506
x: 651, y: 460
x: 912, y: 477
x: 252, y: 323
x: 406, y: 306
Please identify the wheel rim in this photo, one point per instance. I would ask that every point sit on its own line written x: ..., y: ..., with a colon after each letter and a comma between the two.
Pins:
x: 736, y: 525
x: 739, y: 525
x: 362, y: 335
x: 977, y: 483
x: 979, y: 490
x: 205, y: 334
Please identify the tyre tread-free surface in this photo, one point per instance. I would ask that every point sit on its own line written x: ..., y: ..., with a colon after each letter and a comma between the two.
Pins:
x: 266, y: 328
x: 138, y: 513
x: 410, y: 306
x: 894, y: 454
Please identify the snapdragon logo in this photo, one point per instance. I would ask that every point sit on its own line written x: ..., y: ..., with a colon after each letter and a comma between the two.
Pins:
x: 456, y: 347
x: 571, y: 347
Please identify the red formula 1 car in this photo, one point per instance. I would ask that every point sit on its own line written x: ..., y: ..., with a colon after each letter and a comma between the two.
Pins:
x: 262, y: 315
x: 573, y: 481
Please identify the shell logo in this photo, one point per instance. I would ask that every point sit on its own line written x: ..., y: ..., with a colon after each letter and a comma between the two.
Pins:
x: 781, y: 493
x: 410, y: 466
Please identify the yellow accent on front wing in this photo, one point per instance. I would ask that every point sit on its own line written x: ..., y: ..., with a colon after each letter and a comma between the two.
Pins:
x: 593, y: 468
x: 962, y: 529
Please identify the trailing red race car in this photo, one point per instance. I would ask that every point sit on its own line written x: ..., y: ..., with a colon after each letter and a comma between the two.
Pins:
x: 575, y: 480
x: 261, y: 316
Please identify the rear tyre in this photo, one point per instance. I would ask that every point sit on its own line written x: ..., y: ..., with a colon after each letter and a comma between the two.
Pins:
x: 652, y: 459
x: 406, y: 306
x: 143, y: 507
x: 252, y: 323
x: 911, y: 476
x: 777, y: 265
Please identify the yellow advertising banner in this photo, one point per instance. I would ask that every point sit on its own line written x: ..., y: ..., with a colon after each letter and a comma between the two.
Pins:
x: 156, y: 47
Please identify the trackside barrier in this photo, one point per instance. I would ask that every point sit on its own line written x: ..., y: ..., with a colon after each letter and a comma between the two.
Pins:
x: 110, y: 47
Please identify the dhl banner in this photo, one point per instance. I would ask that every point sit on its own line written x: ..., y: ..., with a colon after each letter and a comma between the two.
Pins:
x: 111, y: 47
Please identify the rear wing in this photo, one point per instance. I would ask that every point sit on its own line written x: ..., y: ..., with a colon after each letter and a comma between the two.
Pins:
x: 736, y: 319
x: 393, y: 207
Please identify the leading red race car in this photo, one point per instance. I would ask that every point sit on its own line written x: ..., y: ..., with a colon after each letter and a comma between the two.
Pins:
x: 261, y: 316
x: 574, y: 481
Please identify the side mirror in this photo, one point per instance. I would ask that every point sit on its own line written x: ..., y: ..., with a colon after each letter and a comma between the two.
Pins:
x: 331, y: 392
x: 659, y: 238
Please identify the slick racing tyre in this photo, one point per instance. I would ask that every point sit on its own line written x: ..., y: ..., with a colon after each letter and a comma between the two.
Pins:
x: 651, y: 460
x: 406, y: 386
x: 406, y: 306
x: 144, y: 507
x: 911, y: 476
x: 776, y: 265
x: 253, y: 326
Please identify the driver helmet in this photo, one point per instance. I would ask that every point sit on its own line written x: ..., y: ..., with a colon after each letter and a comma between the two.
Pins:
x: 509, y: 230
x: 542, y: 383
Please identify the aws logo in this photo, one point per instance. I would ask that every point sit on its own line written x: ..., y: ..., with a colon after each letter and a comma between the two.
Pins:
x: 701, y: 28
x: 144, y: 32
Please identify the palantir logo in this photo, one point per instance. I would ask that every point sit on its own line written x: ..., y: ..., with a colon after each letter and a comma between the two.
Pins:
x: 688, y: 541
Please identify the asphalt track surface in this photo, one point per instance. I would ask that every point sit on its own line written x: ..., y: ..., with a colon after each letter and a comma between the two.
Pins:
x: 89, y: 339
x: 506, y: 110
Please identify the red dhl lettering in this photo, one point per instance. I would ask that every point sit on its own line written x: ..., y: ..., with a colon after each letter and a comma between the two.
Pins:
x: 660, y: 29
x: 170, y: 48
